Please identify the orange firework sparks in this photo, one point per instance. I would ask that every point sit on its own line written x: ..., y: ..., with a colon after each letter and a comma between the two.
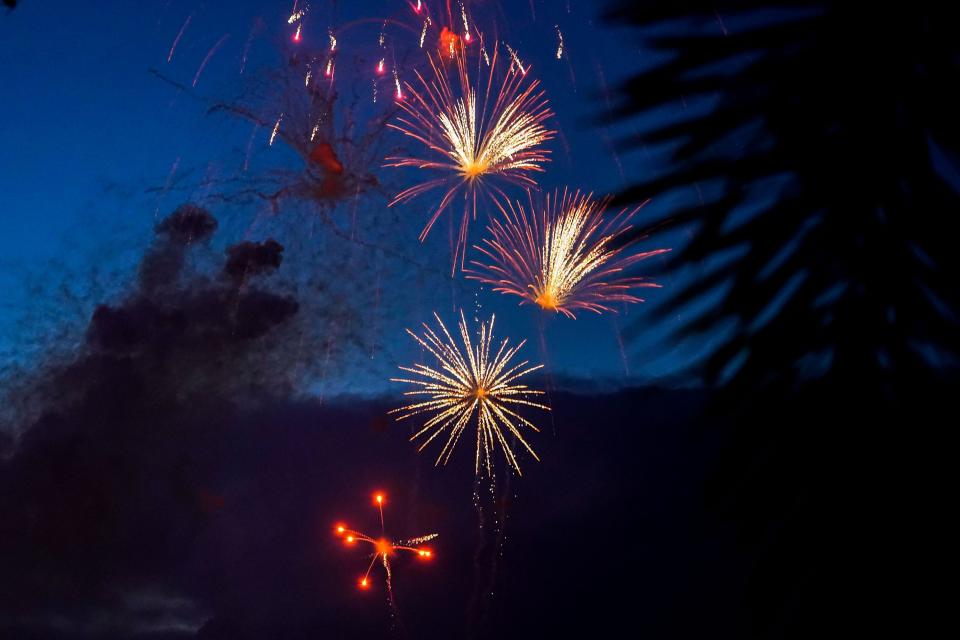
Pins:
x: 470, y: 382
x: 475, y: 136
x: 383, y: 547
x: 565, y: 259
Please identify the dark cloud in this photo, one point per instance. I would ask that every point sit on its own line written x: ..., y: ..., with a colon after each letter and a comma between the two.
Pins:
x: 247, y: 259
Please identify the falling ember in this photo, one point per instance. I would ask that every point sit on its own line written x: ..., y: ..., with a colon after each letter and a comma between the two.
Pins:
x: 419, y: 6
x: 473, y: 140
x: 396, y: 81
x: 565, y: 257
x: 276, y: 128
x: 449, y: 41
x: 313, y: 134
x: 297, y: 15
x: 516, y: 59
x: 423, y: 34
x: 466, y: 25
x: 329, y: 71
x: 380, y: 65
x: 179, y: 35
x: 210, y: 53
x: 306, y: 79
x: 560, y: 42
x: 333, y: 40
x: 384, y: 547
x: 296, y: 36
x: 470, y: 382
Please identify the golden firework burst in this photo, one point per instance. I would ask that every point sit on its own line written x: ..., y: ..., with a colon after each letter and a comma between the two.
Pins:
x: 569, y: 257
x: 475, y: 136
x: 470, y: 382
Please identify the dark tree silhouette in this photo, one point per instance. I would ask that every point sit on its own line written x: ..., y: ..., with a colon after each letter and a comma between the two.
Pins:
x: 820, y: 141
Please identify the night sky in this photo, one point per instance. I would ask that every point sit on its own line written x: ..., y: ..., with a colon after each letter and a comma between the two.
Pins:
x: 196, y: 341
x: 124, y: 148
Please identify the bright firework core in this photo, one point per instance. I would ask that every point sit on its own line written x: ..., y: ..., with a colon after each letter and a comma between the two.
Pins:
x: 383, y: 547
x: 470, y: 381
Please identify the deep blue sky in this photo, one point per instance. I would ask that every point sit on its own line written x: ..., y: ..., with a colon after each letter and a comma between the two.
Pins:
x: 87, y: 130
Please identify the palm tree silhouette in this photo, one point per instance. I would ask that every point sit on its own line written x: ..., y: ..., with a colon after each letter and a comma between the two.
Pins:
x: 821, y: 138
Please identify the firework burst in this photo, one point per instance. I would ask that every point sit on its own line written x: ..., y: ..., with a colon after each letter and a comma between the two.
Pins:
x: 565, y: 259
x: 470, y: 382
x: 384, y: 548
x: 477, y: 136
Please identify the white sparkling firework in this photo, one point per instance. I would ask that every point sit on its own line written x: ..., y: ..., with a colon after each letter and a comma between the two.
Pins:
x: 471, y: 385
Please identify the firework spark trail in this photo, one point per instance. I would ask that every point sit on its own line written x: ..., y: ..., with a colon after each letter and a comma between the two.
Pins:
x: 246, y: 48
x: 466, y: 25
x: 210, y: 53
x: 384, y: 547
x: 176, y: 40
x: 560, y: 42
x: 396, y: 82
x: 166, y: 187
x: 476, y: 138
x: 566, y: 258
x: 472, y: 381
x: 297, y: 15
x: 423, y: 34
x: 276, y: 129
x: 516, y: 59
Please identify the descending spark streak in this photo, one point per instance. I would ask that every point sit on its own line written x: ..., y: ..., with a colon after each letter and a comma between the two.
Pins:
x: 210, y: 53
x: 179, y: 35
x: 560, y: 45
x: 383, y: 547
x: 306, y: 79
x: 297, y: 15
x: 396, y: 81
x: 476, y: 139
x: 246, y: 48
x: 296, y: 36
x: 466, y: 25
x: 564, y: 259
x: 516, y: 59
x: 329, y: 71
x: 276, y: 128
x: 470, y: 382
x: 333, y: 40
x: 423, y: 34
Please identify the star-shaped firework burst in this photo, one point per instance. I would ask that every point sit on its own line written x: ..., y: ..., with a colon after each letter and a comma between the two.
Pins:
x: 383, y: 547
